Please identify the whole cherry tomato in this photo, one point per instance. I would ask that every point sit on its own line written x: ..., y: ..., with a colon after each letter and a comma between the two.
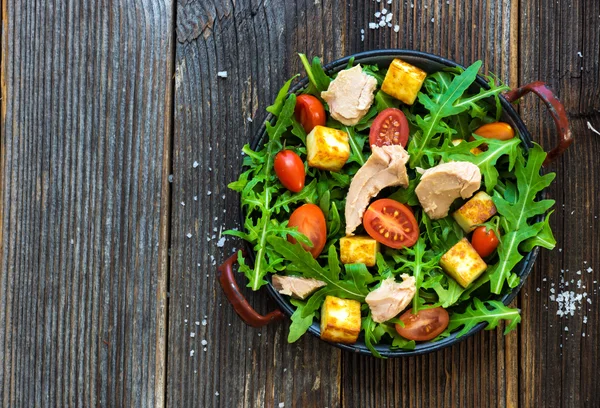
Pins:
x: 310, y: 221
x: 290, y: 170
x: 484, y: 242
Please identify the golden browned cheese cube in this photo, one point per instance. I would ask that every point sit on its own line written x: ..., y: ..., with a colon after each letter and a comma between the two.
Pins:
x: 403, y: 81
x: 463, y: 263
x: 477, y: 210
x: 327, y: 148
x: 340, y: 320
x: 359, y: 249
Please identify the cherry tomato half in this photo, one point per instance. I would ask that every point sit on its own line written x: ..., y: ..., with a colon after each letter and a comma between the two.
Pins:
x: 309, y: 112
x: 290, y: 170
x: 310, y: 221
x: 425, y: 325
x: 391, y: 223
x: 496, y: 130
x: 484, y: 242
x: 389, y: 128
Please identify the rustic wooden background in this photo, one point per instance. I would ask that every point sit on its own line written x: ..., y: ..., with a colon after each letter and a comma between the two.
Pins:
x: 105, y: 108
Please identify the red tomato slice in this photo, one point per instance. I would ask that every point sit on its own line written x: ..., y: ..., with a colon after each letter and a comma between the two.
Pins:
x: 425, y: 325
x: 310, y: 221
x: 389, y: 128
x: 290, y: 170
x: 309, y: 112
x: 391, y: 223
x: 484, y: 242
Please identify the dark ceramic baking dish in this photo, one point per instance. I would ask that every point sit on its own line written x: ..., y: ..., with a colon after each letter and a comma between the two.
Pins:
x: 429, y: 63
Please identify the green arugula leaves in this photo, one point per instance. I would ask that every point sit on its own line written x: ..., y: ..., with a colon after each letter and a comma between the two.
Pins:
x: 491, y: 312
x: 516, y: 216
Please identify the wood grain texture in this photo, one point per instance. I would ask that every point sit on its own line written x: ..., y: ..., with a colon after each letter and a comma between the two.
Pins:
x: 558, y: 364
x: 86, y: 111
x: 256, y: 43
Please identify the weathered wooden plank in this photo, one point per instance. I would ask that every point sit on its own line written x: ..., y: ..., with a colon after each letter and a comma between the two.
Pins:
x: 256, y: 44
x: 85, y: 117
x: 557, y: 366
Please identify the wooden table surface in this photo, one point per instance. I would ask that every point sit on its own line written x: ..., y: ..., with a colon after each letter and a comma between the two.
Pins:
x: 105, y: 108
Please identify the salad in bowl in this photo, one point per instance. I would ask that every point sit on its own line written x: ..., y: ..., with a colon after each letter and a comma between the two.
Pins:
x: 392, y: 206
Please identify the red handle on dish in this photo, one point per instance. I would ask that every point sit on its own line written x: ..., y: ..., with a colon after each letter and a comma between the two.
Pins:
x: 241, y: 306
x: 557, y: 111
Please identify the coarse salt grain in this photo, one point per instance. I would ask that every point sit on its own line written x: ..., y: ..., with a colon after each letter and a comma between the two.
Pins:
x: 195, y: 198
x: 281, y: 404
x: 189, y: 235
x: 204, y: 342
x: 221, y: 242
x: 191, y: 353
x: 389, y: 17
x: 396, y: 28
x: 222, y: 74
x: 170, y: 178
x: 217, y: 393
x: 204, y: 322
x: 373, y: 26
x: 378, y: 14
x: 383, y: 11
x: 196, y: 164
x: 197, y: 323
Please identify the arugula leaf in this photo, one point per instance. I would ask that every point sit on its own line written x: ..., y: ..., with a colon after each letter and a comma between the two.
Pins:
x: 407, y: 195
x: 517, y: 214
x: 412, y: 259
x: 357, y: 143
x: 486, y: 161
x: 258, y: 187
x: 318, y: 79
x: 275, y: 109
x: 373, y: 333
x: 438, y: 110
x: 449, y: 295
x: 299, y: 324
x: 398, y: 342
x: 354, y: 286
x: 544, y: 238
x: 490, y: 311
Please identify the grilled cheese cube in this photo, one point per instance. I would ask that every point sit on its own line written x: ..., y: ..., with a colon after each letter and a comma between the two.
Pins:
x: 463, y: 263
x: 340, y: 320
x: 359, y: 249
x: 475, y: 150
x: 476, y: 211
x: 327, y: 148
x: 403, y: 81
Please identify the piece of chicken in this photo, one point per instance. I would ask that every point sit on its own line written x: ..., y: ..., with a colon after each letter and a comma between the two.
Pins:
x: 295, y: 286
x: 350, y: 95
x: 391, y: 298
x: 385, y: 168
x: 444, y: 183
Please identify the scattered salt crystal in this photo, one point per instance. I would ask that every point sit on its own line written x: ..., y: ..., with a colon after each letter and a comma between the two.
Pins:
x: 389, y: 1
x: 388, y: 18
x: 559, y: 249
x: 281, y: 404
x: 204, y: 342
x: 249, y: 119
x: 582, y: 334
x: 566, y: 329
x: 203, y: 322
x: 208, y: 193
x: 432, y: 19
x: 223, y: 196
x: 579, y: 54
x: 191, y: 353
x: 222, y: 74
x: 195, y: 198
x: 382, y: 23
x: 373, y: 26
x: 538, y: 289
x: 192, y: 334
x: 196, y: 164
x: 589, y: 270
x: 170, y: 178
x: 217, y: 393
x: 221, y: 242
x: 185, y: 320
x: 378, y: 14
x: 396, y: 28
x: 383, y: 11
x: 189, y: 235
x: 584, y: 319
x: 197, y: 323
